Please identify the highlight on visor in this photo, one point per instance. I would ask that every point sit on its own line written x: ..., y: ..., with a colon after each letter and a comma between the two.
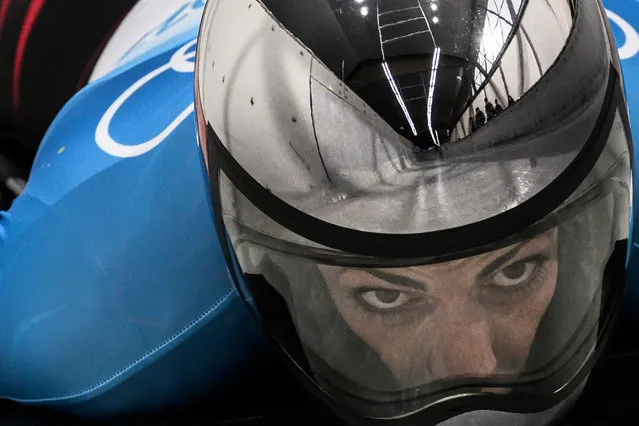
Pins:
x: 428, y: 216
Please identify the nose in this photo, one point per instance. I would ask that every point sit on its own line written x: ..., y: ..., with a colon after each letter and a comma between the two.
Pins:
x: 463, y: 349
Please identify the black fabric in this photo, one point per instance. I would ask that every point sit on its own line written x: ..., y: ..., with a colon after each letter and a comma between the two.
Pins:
x: 62, y: 47
x: 48, y: 50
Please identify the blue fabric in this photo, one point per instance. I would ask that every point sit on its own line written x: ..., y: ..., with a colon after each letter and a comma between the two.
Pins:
x: 624, y: 20
x: 114, y: 291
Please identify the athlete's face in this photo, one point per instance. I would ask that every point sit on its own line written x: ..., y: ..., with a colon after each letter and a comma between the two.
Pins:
x: 472, y: 317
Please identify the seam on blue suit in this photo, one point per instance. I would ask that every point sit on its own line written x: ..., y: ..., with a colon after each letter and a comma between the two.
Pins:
x: 137, y: 361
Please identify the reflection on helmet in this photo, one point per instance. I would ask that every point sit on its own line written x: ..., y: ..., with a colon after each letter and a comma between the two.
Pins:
x: 471, y: 284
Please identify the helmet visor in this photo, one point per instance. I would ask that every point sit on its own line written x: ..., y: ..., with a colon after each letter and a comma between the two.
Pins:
x: 519, y: 317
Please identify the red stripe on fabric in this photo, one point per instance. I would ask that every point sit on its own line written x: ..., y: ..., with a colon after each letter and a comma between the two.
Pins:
x: 4, y: 8
x: 94, y: 57
x: 29, y: 21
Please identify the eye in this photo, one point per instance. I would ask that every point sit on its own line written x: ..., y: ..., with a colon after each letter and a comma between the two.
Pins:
x: 384, y: 299
x: 515, y: 274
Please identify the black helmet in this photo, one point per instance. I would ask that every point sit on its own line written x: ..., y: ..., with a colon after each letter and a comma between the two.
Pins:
x: 471, y: 284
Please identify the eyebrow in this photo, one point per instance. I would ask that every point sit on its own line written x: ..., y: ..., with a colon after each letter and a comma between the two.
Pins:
x: 403, y: 281
x: 495, y: 264
x: 399, y: 280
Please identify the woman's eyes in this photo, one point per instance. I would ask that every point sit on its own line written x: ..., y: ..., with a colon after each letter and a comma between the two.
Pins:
x: 383, y: 299
x: 515, y: 274
x: 505, y: 282
x: 515, y: 281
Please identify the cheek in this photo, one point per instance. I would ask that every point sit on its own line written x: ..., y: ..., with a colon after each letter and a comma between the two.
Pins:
x: 514, y: 333
x: 357, y: 319
x: 369, y: 326
x: 402, y: 348
x: 394, y: 343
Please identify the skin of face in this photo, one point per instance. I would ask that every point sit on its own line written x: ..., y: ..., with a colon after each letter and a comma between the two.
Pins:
x: 471, y: 317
